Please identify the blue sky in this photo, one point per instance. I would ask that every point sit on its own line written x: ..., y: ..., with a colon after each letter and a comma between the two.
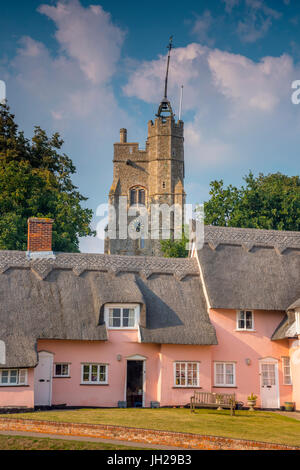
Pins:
x: 87, y: 68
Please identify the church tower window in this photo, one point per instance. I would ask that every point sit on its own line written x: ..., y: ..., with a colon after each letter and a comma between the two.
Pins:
x: 137, y: 196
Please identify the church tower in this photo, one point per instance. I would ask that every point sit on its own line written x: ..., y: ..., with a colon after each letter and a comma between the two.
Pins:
x: 146, y: 177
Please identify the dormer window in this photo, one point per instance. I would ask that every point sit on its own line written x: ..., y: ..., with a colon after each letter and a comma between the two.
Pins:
x: 137, y: 196
x: 122, y: 316
x: 245, y: 320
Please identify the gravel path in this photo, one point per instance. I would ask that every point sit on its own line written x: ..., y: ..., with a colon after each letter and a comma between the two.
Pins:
x: 89, y: 439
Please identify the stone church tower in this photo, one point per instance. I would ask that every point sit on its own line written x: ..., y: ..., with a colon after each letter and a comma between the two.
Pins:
x: 145, y: 177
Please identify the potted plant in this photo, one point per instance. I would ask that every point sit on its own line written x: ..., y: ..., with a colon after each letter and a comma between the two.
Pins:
x: 289, y: 406
x: 252, y: 401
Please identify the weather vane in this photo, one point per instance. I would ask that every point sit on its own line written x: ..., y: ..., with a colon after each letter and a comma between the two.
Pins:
x: 165, y: 105
x: 169, y: 47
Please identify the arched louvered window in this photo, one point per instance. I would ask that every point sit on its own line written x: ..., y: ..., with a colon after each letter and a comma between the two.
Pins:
x: 137, y: 196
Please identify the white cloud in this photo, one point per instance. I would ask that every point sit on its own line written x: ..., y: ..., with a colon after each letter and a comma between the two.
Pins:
x: 71, y: 91
x: 203, y: 151
x: 230, y: 4
x: 230, y: 99
x: 258, y: 85
x: 88, y: 36
x: 202, y: 27
x: 258, y: 18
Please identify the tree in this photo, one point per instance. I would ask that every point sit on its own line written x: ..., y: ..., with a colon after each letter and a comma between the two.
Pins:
x: 35, y: 180
x: 267, y: 202
x: 175, y: 248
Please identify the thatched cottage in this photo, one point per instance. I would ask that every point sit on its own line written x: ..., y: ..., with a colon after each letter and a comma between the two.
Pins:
x: 109, y: 330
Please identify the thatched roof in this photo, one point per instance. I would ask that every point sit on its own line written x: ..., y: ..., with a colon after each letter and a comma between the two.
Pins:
x: 250, y: 268
x: 64, y: 298
x: 294, y: 305
x: 286, y: 328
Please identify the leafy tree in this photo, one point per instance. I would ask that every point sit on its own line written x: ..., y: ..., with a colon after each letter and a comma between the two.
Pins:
x: 35, y: 180
x: 175, y: 248
x: 267, y: 202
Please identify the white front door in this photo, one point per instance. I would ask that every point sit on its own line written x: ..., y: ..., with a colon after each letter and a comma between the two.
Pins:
x: 43, y: 379
x: 269, y: 383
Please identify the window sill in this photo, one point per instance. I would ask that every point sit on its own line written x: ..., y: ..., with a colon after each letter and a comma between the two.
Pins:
x: 61, y: 376
x: 123, y: 328
x: 224, y: 386
x: 185, y: 388
x: 12, y: 385
x: 94, y: 384
x: 245, y: 330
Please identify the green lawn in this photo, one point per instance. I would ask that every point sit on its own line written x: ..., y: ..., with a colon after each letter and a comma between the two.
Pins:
x: 257, y: 425
x: 44, y: 443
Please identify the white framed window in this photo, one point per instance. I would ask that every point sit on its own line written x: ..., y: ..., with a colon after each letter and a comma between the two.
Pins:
x: 245, y: 320
x: 94, y: 373
x: 186, y: 374
x: 62, y: 370
x: 118, y: 316
x: 225, y: 374
x: 286, y: 369
x: 11, y: 377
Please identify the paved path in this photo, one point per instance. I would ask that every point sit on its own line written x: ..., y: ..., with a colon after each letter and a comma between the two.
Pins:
x: 89, y: 439
x: 290, y: 414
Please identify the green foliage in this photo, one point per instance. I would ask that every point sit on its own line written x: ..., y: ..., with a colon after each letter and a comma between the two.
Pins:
x: 252, y: 397
x: 35, y: 181
x: 175, y: 248
x: 266, y: 202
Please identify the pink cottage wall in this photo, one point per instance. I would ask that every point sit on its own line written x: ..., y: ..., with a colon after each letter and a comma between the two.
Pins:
x: 169, y: 393
x: 295, y: 370
x: 71, y: 392
x: 19, y: 396
x: 237, y: 346
x: 159, y: 370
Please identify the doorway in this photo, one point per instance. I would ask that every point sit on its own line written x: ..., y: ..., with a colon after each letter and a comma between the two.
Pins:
x: 43, y: 380
x: 135, y: 384
x: 269, y: 388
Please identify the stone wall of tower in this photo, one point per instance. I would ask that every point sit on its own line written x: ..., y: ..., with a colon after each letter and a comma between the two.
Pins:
x: 159, y: 169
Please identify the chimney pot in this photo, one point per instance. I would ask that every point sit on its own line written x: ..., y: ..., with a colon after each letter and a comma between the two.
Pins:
x: 123, y: 136
x: 39, y: 242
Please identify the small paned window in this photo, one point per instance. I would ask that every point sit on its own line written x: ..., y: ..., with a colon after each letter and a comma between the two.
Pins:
x: 245, y: 320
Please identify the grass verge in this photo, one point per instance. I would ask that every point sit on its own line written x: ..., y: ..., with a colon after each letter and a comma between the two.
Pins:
x: 257, y: 425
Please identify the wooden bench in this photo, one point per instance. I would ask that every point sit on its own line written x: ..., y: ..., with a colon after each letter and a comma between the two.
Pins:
x: 213, y: 400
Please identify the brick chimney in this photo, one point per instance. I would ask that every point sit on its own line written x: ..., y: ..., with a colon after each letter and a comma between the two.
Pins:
x: 39, y: 242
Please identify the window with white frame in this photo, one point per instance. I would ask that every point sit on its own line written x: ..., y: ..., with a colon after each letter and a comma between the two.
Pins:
x: 122, y: 316
x: 186, y: 374
x: 245, y: 320
x: 11, y: 377
x: 94, y: 374
x: 62, y: 370
x: 225, y: 374
x: 286, y: 369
